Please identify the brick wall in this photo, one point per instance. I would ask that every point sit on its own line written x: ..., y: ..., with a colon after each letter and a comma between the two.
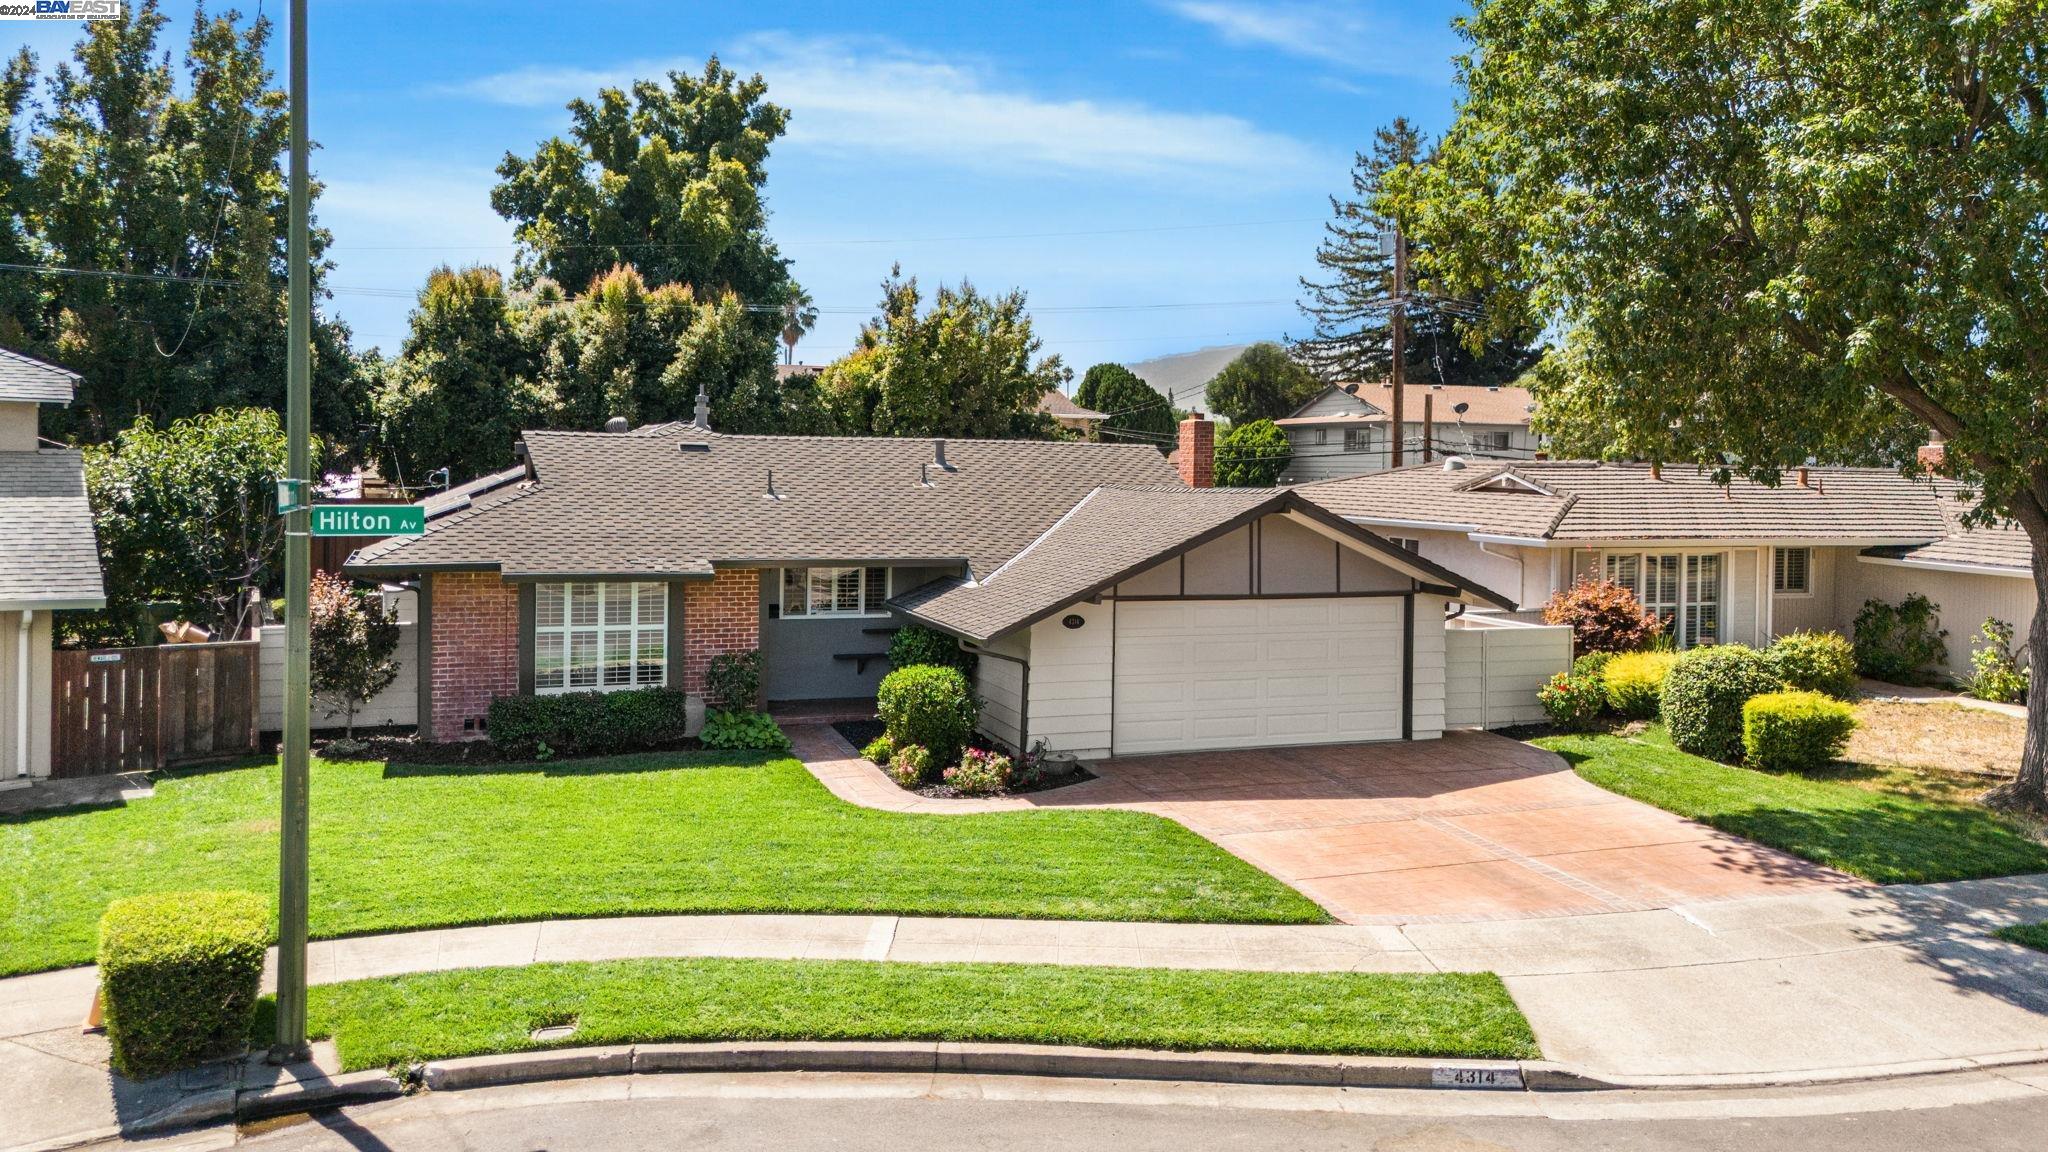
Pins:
x: 722, y: 614
x: 475, y: 622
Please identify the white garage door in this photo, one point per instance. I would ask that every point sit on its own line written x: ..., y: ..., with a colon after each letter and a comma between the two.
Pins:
x: 1194, y: 674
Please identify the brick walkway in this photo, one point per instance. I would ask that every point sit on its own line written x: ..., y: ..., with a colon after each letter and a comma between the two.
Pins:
x: 1470, y: 827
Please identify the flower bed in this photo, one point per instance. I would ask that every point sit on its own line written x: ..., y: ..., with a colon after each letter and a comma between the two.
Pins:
x: 860, y: 733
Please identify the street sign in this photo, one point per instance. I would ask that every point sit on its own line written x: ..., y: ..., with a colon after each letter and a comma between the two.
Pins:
x: 369, y: 520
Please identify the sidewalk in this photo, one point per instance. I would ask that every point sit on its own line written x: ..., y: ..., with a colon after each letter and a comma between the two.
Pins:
x: 1785, y: 988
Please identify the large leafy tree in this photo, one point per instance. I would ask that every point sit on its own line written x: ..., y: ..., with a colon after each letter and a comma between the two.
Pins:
x: 1251, y: 455
x: 1131, y: 409
x: 1769, y: 229
x: 161, y: 177
x: 1347, y: 300
x: 1263, y: 383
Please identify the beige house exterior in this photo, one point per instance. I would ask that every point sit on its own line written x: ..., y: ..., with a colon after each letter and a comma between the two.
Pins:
x: 1347, y: 429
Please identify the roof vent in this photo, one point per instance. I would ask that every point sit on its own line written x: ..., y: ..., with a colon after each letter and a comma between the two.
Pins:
x: 616, y: 424
x: 1454, y: 463
x: 939, y: 456
x: 702, y: 417
x: 772, y: 493
x: 693, y: 446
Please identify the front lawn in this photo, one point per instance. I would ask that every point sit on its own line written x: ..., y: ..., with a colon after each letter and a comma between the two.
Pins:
x: 659, y: 832
x: 1891, y: 837
x: 436, y: 1015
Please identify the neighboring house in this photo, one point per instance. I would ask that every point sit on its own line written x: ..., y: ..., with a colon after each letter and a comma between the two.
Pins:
x: 49, y: 558
x: 1741, y: 563
x: 1117, y: 605
x: 1069, y: 415
x: 1347, y: 429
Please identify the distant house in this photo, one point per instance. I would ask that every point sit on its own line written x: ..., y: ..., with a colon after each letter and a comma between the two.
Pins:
x: 49, y: 558
x: 1347, y: 429
x: 1069, y: 415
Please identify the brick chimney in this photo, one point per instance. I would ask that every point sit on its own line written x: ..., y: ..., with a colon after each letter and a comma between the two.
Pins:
x: 1933, y: 455
x: 1196, y: 456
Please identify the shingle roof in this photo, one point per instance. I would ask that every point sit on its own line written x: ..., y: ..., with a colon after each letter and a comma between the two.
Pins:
x: 48, y: 555
x: 27, y: 378
x: 1058, y: 404
x: 1483, y: 405
x: 1582, y: 500
x: 1113, y: 533
x: 638, y: 503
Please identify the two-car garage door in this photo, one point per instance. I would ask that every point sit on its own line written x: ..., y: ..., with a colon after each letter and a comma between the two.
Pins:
x: 1193, y: 674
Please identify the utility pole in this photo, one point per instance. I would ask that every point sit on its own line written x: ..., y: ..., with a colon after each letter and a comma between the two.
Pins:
x: 1428, y: 427
x: 1398, y: 321
x: 295, y: 498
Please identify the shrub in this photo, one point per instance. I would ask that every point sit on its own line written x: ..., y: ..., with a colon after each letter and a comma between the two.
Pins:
x: 1795, y: 731
x: 910, y: 766
x: 1604, y: 616
x: 1573, y: 702
x: 979, y: 773
x: 179, y: 971
x: 879, y: 750
x: 732, y: 681
x: 930, y: 706
x: 1592, y: 664
x: 353, y: 645
x: 1900, y: 643
x: 1635, y: 682
x: 1822, y: 662
x: 1704, y: 695
x: 1995, y: 673
x: 752, y: 731
x: 588, y: 723
x: 915, y: 644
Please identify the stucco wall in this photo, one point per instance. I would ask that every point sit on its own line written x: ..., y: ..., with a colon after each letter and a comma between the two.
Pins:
x: 1815, y: 610
x: 1965, y: 600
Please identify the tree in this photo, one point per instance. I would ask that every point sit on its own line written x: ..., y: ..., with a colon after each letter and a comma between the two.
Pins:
x: 169, y: 179
x: 1251, y: 455
x: 353, y: 644
x: 20, y: 296
x: 186, y: 518
x: 1769, y: 230
x: 1352, y: 339
x: 1131, y: 409
x: 1263, y: 383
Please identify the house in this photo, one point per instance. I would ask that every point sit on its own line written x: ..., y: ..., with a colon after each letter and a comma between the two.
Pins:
x: 1347, y: 429
x: 1740, y: 563
x: 1119, y: 606
x: 1069, y: 415
x: 49, y: 558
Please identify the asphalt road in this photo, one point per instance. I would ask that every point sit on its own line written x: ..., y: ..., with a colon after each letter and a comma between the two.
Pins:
x: 921, y: 1114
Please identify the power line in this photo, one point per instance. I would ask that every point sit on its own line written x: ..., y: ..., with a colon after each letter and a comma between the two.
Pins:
x: 868, y: 240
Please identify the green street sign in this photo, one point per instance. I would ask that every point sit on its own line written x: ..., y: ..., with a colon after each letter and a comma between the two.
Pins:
x: 369, y: 520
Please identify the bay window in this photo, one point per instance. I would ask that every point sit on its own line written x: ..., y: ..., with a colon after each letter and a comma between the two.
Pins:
x: 826, y: 592
x: 599, y: 637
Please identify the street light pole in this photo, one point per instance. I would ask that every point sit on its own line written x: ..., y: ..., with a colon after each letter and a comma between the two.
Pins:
x: 290, y: 1044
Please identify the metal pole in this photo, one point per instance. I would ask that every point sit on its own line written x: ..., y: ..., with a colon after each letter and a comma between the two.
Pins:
x: 298, y: 578
x: 1399, y: 319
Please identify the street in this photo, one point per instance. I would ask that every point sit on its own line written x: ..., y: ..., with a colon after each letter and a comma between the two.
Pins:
x: 1977, y: 1111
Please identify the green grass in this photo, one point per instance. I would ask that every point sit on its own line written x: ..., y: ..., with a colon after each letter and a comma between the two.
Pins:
x: 438, y: 1015
x: 1888, y: 837
x: 670, y: 832
x: 2033, y: 936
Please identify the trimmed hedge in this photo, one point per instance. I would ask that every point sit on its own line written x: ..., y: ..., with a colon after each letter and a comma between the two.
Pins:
x: 915, y: 644
x: 588, y: 723
x: 1635, y: 682
x: 1822, y: 662
x: 179, y: 971
x: 929, y: 706
x: 1704, y: 695
x: 1795, y: 731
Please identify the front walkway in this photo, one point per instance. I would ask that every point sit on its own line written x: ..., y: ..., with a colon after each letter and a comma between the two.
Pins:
x: 1470, y: 827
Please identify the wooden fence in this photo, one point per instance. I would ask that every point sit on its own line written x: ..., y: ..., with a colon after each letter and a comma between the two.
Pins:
x: 136, y: 709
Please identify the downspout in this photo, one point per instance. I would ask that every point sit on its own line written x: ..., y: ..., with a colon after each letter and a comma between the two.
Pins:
x: 21, y: 694
x: 1023, y: 691
x: 1521, y: 568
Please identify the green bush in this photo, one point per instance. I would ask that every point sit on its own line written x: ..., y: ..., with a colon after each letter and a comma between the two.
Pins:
x: 915, y: 644
x: 980, y: 773
x: 1795, y: 731
x: 929, y: 706
x: 879, y: 750
x: 1635, y: 682
x: 1900, y: 643
x: 732, y: 681
x: 1572, y: 702
x: 749, y: 731
x: 588, y: 723
x: 1995, y: 673
x: 1822, y: 662
x: 1704, y: 695
x: 179, y: 971
x: 910, y: 766
x: 1592, y: 663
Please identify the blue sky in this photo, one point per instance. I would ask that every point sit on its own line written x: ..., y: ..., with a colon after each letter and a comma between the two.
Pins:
x: 1154, y: 175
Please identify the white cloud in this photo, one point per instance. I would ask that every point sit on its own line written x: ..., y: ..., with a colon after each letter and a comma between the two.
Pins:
x: 867, y: 98
x: 1351, y: 36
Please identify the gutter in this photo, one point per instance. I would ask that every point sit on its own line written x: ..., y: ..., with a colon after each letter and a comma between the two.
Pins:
x: 1948, y: 566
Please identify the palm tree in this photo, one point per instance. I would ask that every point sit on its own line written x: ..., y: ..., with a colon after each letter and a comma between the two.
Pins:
x: 799, y: 315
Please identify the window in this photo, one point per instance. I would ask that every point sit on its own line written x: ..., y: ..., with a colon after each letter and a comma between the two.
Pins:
x: 1358, y: 439
x: 1691, y: 612
x: 834, y: 591
x: 1494, y: 441
x: 1319, y: 435
x: 591, y: 637
x: 1792, y: 571
x: 1408, y: 542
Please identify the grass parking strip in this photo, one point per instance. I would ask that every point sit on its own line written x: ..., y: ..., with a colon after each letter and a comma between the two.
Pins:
x: 2033, y: 936
x: 442, y: 1015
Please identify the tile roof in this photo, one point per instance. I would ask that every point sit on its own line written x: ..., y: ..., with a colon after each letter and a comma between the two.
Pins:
x: 30, y: 379
x: 672, y: 500
x: 1113, y: 533
x: 2003, y: 546
x: 48, y: 555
